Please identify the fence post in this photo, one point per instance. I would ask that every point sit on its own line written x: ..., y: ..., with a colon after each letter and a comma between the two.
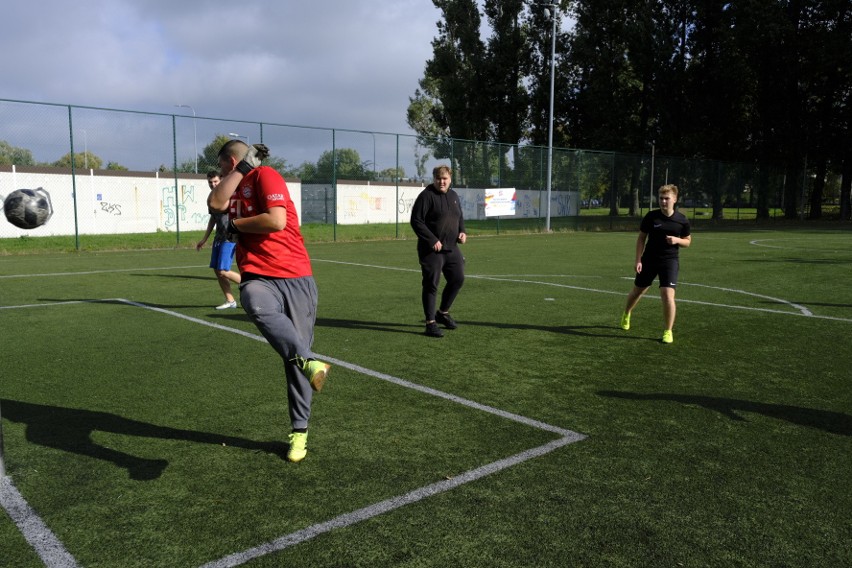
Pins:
x: 2, y: 465
x: 74, y: 182
x: 177, y: 192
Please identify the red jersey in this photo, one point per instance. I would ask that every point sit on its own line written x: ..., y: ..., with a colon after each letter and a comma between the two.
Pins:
x: 281, y: 254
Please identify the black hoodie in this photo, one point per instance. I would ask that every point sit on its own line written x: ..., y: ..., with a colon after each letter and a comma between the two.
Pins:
x: 435, y: 217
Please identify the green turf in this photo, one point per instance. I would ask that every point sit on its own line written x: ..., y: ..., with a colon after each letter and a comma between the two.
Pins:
x: 143, y: 439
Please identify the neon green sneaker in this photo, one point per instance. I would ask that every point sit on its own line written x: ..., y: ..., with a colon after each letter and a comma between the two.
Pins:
x: 298, y: 446
x: 625, y: 321
x: 315, y: 371
x: 668, y: 337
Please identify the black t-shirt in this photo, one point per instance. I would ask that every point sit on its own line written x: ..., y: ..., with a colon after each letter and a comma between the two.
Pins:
x: 657, y: 226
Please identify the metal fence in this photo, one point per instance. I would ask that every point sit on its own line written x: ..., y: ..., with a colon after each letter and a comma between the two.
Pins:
x: 180, y: 146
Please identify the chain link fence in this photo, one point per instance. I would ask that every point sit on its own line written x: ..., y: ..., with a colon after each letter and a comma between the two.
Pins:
x: 113, y: 171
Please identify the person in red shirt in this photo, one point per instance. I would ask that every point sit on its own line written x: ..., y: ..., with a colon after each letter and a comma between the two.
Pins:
x: 278, y: 291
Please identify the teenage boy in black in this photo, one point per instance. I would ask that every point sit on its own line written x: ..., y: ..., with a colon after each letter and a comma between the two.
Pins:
x: 662, y: 232
x: 437, y: 220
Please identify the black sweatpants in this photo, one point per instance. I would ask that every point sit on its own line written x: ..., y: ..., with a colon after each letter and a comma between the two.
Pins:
x: 449, y: 263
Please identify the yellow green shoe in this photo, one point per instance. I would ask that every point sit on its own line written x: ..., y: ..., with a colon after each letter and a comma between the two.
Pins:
x: 668, y: 337
x: 625, y: 321
x: 315, y: 371
x: 298, y: 446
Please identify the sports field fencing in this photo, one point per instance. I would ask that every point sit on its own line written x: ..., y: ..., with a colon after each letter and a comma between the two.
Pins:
x: 175, y: 149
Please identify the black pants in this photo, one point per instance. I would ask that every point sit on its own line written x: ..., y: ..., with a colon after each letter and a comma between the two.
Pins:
x: 433, y: 264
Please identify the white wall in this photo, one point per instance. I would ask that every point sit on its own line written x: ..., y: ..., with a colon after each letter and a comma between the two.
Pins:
x: 357, y: 204
x: 111, y: 204
x: 146, y: 202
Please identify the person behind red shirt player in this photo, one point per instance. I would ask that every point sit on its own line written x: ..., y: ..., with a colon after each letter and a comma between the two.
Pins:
x: 277, y: 291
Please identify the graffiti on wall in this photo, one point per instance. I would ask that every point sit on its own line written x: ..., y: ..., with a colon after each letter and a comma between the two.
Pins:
x: 171, y: 209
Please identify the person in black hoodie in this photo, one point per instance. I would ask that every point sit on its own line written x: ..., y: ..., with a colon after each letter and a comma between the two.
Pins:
x: 437, y: 220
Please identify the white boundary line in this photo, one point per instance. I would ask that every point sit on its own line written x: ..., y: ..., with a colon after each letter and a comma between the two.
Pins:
x: 54, y: 555
x: 49, y: 548
x: 105, y: 271
x: 802, y: 310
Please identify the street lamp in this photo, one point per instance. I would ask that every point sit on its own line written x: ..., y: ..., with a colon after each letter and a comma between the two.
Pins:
x: 554, y: 16
x: 235, y: 135
x: 374, y: 153
x: 194, y: 133
x: 85, y: 149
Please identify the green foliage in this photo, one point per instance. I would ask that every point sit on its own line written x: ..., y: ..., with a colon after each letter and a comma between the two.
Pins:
x: 343, y: 163
x: 10, y: 155
x: 758, y: 80
x: 82, y: 160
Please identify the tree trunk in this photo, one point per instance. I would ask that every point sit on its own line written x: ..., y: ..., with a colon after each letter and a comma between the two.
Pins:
x: 819, y: 187
x: 792, y: 189
x: 634, y: 190
x: 762, y: 194
x: 846, y: 188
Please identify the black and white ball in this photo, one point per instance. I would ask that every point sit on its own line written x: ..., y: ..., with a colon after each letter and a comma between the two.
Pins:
x: 28, y: 208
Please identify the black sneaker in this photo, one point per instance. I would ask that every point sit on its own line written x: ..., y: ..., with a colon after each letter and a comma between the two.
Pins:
x: 432, y: 330
x: 446, y: 320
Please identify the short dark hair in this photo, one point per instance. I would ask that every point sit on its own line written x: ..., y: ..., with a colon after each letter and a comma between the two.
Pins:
x: 234, y: 148
x: 212, y: 174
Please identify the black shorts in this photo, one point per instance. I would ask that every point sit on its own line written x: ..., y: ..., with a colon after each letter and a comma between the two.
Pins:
x: 666, y: 269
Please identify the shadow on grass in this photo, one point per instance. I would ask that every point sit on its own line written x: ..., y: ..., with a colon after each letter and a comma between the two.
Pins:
x: 829, y: 421
x: 394, y: 327
x: 70, y: 429
x: 121, y: 303
x: 581, y: 330
x: 390, y: 327
x: 182, y: 276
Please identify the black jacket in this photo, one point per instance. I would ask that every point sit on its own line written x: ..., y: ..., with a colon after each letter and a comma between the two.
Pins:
x: 435, y: 217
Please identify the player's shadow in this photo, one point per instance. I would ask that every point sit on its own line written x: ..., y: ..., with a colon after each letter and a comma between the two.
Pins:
x: 181, y: 276
x: 829, y: 421
x: 121, y: 303
x: 389, y: 327
x: 70, y: 430
x: 580, y: 330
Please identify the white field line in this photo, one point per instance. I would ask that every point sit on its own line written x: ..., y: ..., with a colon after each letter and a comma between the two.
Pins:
x: 524, y: 279
x: 49, y: 548
x: 761, y: 243
x: 34, y: 528
x: 105, y: 271
x: 518, y: 279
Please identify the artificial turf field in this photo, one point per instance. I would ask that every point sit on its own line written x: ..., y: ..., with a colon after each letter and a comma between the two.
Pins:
x: 143, y: 428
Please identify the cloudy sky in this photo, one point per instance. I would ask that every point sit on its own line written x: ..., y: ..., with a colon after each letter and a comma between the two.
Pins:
x: 342, y: 64
x: 330, y: 63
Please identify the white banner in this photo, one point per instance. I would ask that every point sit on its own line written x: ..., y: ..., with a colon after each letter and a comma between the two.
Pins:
x: 500, y: 202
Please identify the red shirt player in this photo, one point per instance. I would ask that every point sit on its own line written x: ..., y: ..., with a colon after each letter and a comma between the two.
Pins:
x: 278, y: 291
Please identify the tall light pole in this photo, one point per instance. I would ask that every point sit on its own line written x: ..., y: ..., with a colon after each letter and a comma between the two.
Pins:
x: 554, y: 15
x: 373, y: 134
x: 85, y: 149
x: 194, y: 133
x: 235, y: 135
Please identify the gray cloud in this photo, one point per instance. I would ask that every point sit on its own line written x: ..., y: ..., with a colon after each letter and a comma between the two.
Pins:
x: 342, y: 63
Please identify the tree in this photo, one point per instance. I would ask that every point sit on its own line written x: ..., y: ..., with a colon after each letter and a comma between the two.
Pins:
x: 12, y: 155
x: 343, y: 163
x: 81, y: 160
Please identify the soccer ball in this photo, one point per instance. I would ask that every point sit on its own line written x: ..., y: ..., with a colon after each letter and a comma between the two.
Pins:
x: 28, y: 208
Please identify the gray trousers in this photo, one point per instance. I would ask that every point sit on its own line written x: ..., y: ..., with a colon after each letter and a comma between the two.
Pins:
x: 285, y: 311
